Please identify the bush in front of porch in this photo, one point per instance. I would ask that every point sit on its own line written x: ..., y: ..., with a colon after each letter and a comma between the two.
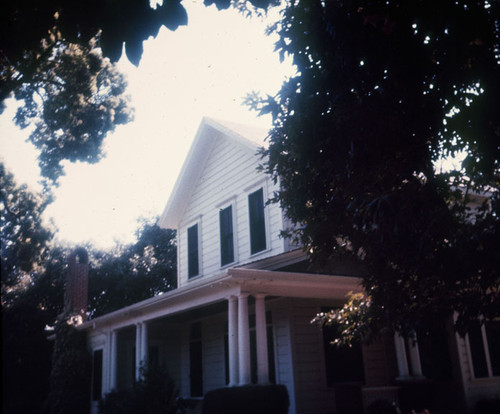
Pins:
x: 248, y: 399
x: 154, y: 393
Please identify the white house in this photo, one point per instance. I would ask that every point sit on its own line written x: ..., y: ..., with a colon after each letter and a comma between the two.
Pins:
x: 242, y: 310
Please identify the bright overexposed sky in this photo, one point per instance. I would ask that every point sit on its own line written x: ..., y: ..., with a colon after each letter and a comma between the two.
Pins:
x: 202, y: 69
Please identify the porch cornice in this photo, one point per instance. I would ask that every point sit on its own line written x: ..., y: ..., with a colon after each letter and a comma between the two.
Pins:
x: 233, y: 281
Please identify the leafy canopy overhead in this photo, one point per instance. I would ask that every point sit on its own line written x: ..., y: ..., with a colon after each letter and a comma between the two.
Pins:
x: 384, y: 91
x: 55, y: 58
x: 24, y: 23
x: 72, y: 101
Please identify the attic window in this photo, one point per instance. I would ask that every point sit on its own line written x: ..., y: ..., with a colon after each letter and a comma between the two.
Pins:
x: 193, y: 251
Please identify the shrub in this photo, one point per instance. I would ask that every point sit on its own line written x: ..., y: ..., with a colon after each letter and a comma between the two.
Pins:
x: 382, y: 407
x: 249, y: 399
x: 154, y: 393
x: 488, y: 406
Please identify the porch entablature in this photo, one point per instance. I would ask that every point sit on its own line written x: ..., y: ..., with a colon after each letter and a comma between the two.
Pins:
x: 233, y: 282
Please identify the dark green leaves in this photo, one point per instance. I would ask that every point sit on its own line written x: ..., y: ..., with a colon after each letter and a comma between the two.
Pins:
x: 24, y: 238
x: 382, y: 91
x: 137, y: 272
x: 73, y: 99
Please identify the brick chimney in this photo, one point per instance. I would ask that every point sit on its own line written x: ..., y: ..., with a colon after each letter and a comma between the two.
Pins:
x: 76, y: 298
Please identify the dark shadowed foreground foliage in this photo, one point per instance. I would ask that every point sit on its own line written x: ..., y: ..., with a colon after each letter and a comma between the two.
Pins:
x: 33, y: 278
x: 154, y: 393
x: 384, y: 91
x: 71, y: 371
x: 247, y: 399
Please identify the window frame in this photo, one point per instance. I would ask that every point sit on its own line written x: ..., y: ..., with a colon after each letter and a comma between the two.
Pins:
x: 198, y: 235
x: 223, y: 207
x: 262, y: 184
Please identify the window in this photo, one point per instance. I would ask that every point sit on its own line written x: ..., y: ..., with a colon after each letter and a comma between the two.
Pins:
x: 196, y: 360
x: 193, y: 251
x: 257, y: 221
x: 154, y: 356
x: 226, y: 235
x: 97, y: 375
x: 484, y: 343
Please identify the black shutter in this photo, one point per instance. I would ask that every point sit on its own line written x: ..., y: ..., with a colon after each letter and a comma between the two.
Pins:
x: 257, y: 221
x: 193, y: 266
x: 226, y: 236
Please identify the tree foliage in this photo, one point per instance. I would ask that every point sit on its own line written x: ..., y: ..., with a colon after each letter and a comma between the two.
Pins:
x: 33, y: 282
x: 134, y: 273
x: 55, y: 58
x: 26, y: 357
x: 384, y: 91
x: 71, y: 371
x: 24, y: 237
x: 153, y: 393
x: 24, y: 24
x: 72, y: 98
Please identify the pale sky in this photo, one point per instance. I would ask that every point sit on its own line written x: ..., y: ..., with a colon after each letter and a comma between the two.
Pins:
x: 203, y: 69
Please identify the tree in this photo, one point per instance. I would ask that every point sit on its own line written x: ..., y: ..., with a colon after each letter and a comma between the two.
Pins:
x: 71, y: 371
x: 24, y: 24
x: 134, y: 273
x: 55, y: 58
x: 32, y: 296
x: 24, y: 237
x: 72, y: 97
x: 33, y: 283
x: 384, y: 91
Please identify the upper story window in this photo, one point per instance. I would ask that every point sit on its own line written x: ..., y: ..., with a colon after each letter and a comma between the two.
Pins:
x: 226, y: 235
x: 193, y: 251
x: 257, y: 221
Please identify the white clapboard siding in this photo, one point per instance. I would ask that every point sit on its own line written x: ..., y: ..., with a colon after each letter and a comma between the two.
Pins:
x: 229, y: 176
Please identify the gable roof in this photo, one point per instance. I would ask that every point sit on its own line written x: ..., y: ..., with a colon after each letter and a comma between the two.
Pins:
x: 209, y: 130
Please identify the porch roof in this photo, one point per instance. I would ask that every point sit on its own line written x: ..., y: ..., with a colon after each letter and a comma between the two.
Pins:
x: 205, y: 291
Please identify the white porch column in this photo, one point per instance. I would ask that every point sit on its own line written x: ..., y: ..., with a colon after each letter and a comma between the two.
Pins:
x: 399, y: 344
x: 243, y: 340
x: 232, y: 337
x: 144, y: 344
x: 414, y: 354
x: 261, y: 336
x: 113, y: 360
x: 138, y: 353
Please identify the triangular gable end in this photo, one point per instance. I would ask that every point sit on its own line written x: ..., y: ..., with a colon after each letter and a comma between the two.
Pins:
x: 209, y: 130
